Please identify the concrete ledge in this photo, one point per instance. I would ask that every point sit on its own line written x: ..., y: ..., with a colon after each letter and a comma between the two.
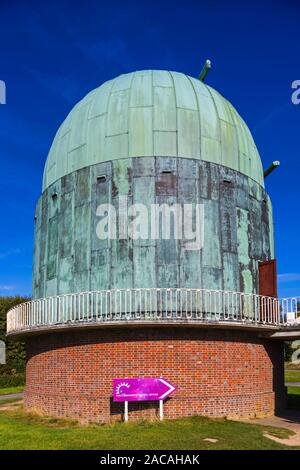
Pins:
x: 269, y: 330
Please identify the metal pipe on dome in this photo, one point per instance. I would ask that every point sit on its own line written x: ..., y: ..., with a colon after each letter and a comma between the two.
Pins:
x: 271, y: 168
x: 205, y: 69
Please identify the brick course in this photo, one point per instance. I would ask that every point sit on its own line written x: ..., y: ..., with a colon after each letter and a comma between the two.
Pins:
x: 217, y: 372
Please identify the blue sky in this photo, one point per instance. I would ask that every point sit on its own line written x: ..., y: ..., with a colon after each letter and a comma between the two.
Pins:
x: 53, y: 53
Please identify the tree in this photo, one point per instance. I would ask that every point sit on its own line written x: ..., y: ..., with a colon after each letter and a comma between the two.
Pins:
x: 13, y: 372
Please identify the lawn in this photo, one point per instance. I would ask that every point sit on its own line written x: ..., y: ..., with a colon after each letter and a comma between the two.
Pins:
x: 292, y: 375
x: 28, y: 431
x: 8, y: 390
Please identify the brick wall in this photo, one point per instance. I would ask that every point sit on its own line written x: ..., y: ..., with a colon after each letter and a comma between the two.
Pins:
x: 217, y: 372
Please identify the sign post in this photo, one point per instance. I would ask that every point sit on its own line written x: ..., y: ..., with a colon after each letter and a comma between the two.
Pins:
x: 161, y: 410
x: 126, y: 411
x: 140, y: 389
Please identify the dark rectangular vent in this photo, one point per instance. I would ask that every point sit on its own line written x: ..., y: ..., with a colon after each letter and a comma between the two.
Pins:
x: 101, y: 178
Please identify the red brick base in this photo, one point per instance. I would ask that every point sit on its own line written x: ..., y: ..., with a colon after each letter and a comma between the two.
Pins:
x: 217, y: 372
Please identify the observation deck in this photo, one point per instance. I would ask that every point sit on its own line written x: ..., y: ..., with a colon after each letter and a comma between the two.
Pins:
x: 274, y: 317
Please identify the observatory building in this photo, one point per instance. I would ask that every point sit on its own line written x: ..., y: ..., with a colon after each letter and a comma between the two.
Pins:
x: 113, y: 297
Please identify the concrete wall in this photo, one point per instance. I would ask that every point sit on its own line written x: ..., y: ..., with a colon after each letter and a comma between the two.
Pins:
x: 69, y: 257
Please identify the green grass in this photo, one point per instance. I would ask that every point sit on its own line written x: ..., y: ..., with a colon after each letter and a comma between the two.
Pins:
x: 8, y: 390
x: 27, y: 431
x: 292, y: 375
x: 19, y: 430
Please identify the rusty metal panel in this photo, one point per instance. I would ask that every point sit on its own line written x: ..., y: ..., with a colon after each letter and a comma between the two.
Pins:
x: 209, y: 181
x: 166, y: 184
x: 268, y: 278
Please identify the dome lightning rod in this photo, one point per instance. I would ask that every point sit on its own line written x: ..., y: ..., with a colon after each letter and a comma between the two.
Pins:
x: 205, y: 69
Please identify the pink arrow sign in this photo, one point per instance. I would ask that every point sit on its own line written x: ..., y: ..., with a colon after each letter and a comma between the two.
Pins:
x: 140, y: 389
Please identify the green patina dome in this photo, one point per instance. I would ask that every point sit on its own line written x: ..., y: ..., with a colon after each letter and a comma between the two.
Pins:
x: 153, y: 113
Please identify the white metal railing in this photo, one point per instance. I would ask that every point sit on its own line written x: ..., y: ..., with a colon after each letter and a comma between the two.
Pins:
x: 290, y: 310
x: 157, y: 304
